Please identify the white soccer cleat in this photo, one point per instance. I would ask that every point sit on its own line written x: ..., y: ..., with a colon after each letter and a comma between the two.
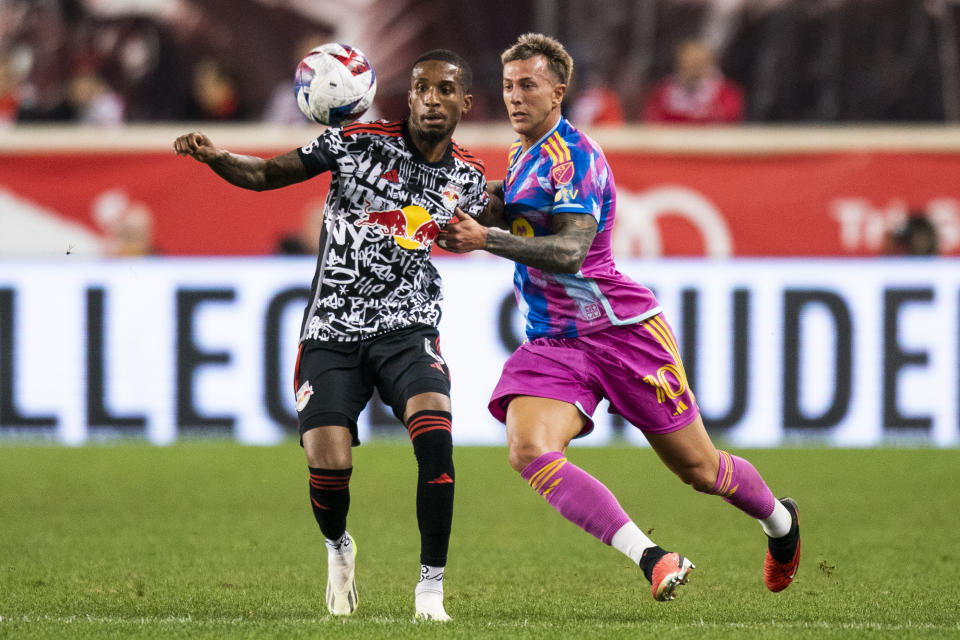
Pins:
x: 341, y: 581
x: 430, y: 607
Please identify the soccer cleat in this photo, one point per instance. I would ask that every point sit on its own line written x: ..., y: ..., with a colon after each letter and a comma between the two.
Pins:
x: 670, y: 572
x: 341, y: 581
x: 778, y: 575
x: 430, y: 607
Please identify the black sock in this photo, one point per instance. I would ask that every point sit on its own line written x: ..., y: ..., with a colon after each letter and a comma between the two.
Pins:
x: 649, y: 559
x: 330, y: 499
x: 782, y: 548
x: 433, y: 447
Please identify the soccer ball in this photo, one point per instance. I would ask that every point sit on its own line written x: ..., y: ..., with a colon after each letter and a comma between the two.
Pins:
x: 335, y: 84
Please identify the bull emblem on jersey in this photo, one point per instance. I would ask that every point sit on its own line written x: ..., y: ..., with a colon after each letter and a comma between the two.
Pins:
x: 451, y: 195
x: 411, y: 227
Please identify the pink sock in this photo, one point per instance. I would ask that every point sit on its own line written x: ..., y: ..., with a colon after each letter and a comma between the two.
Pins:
x: 740, y: 484
x: 578, y: 496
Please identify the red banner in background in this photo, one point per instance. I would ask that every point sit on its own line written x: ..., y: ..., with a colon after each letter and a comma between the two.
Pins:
x: 803, y: 204
x: 194, y: 211
x: 812, y: 204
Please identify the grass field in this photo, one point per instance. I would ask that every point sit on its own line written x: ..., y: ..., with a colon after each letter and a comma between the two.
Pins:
x: 216, y: 540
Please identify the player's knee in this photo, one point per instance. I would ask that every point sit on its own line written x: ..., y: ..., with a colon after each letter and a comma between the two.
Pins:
x: 328, y: 447
x: 522, y: 453
x: 328, y: 457
x: 329, y: 460
x: 701, y: 477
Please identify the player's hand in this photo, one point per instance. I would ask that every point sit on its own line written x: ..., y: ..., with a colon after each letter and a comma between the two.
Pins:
x: 462, y: 234
x: 196, y: 145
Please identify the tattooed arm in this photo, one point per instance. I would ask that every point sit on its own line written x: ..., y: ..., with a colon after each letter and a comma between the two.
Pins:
x: 561, y: 252
x: 248, y: 172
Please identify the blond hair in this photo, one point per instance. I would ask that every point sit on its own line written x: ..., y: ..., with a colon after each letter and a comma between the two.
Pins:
x: 532, y: 44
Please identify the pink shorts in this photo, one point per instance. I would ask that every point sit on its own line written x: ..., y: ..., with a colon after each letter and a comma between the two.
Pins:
x: 636, y: 367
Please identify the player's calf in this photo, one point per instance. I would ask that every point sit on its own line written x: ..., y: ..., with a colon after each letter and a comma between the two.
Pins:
x: 430, y: 434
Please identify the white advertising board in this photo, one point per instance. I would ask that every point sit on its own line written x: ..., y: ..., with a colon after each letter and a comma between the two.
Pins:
x: 840, y: 352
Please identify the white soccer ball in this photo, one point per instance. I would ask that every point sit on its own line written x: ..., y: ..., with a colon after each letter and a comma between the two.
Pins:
x: 335, y: 83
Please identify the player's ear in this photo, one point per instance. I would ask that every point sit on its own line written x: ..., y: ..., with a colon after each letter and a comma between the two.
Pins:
x: 559, y: 91
x: 467, y: 102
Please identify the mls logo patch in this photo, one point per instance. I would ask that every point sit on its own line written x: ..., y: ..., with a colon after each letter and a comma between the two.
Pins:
x: 303, y: 395
x: 562, y: 173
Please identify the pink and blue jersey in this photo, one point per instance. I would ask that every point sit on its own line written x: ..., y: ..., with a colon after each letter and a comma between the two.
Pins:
x: 566, y: 172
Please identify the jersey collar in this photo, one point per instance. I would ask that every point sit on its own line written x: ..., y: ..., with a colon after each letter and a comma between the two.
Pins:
x: 419, y: 157
x: 536, y: 145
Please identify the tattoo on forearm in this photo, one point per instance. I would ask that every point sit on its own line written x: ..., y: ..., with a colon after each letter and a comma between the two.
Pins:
x: 561, y: 252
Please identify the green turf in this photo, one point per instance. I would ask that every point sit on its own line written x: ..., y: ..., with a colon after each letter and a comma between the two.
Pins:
x: 213, y: 539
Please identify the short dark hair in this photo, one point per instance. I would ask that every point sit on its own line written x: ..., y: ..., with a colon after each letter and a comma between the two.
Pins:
x: 445, y: 55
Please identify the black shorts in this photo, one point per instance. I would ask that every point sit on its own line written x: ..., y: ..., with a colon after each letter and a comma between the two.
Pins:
x: 334, y: 381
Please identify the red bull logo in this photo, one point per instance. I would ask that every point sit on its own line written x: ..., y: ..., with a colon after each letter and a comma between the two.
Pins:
x: 411, y: 227
x: 451, y: 195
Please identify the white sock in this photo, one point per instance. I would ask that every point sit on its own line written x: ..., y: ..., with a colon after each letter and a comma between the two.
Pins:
x: 778, y: 523
x: 431, y: 580
x: 632, y: 542
x: 337, y: 546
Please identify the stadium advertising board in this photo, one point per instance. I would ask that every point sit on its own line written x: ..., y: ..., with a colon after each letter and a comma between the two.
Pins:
x: 839, y: 352
x: 724, y: 204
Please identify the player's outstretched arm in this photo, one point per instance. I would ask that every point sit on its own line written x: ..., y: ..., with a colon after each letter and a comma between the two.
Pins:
x: 561, y: 252
x: 248, y: 172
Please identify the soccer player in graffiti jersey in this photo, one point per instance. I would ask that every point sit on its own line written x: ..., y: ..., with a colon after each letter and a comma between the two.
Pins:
x: 593, y: 333
x: 371, y: 321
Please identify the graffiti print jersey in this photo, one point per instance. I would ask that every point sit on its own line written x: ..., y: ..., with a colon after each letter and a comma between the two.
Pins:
x: 384, y: 209
x: 566, y: 172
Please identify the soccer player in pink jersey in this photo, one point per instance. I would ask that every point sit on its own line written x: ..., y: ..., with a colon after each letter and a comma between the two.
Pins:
x: 594, y: 333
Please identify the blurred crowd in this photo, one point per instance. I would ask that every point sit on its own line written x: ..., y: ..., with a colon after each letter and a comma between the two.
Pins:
x: 690, y: 61
x: 76, y: 61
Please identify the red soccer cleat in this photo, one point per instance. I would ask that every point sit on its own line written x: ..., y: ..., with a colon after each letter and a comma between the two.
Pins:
x: 778, y: 575
x: 670, y: 572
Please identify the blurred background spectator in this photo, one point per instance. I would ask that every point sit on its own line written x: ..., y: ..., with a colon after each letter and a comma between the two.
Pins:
x: 10, y: 78
x: 127, y: 225
x: 796, y: 60
x: 215, y: 93
x: 696, y: 92
x: 917, y: 236
x: 597, y: 103
x: 91, y: 100
x: 306, y: 240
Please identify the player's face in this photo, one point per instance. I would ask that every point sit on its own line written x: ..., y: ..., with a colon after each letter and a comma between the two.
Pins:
x: 436, y: 99
x: 532, y: 95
